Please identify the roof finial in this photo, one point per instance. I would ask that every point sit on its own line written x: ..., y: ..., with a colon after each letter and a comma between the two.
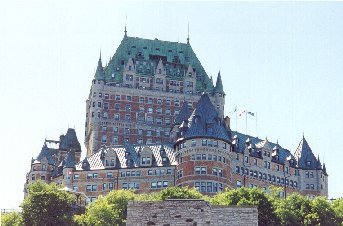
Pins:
x: 188, y: 34
x: 125, y: 31
x: 100, y: 55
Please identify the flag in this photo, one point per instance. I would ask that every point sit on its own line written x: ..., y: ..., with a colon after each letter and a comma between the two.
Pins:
x: 234, y: 110
x: 251, y: 113
x: 242, y: 112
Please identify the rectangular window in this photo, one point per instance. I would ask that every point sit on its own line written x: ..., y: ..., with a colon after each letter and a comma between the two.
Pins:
x: 110, y: 186
x: 117, y: 97
x: 109, y: 175
x: 76, y: 176
x: 141, y: 100
x: 204, y: 143
x: 129, y: 98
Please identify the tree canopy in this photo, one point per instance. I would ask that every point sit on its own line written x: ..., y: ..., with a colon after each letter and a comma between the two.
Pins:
x: 47, y: 205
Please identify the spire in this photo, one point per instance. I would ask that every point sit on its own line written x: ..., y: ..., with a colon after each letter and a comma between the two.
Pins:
x: 188, y: 35
x: 125, y: 31
x: 324, y: 168
x: 99, y: 74
x: 305, y: 156
x: 219, y: 85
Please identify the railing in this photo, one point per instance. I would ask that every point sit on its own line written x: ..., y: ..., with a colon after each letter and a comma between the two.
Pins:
x: 4, y: 211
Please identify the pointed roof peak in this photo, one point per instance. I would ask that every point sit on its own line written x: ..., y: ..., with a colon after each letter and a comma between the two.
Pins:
x: 125, y: 31
x: 219, y: 84
x: 188, y: 35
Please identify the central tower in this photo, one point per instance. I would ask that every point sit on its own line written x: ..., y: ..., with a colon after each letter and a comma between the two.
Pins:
x: 136, y: 96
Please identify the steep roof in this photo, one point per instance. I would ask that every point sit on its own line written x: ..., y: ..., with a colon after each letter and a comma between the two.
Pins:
x: 175, y: 56
x: 219, y: 85
x: 183, y: 114
x: 129, y: 152
x: 259, y: 144
x: 205, y: 122
x: 69, y: 159
x: 305, y: 156
x: 48, y: 153
x: 70, y: 141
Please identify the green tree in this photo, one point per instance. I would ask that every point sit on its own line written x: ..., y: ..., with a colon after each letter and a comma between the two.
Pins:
x: 292, y: 210
x: 107, y: 211
x: 11, y: 219
x: 337, y: 206
x: 249, y: 196
x: 46, y: 205
x: 180, y: 193
x: 321, y: 213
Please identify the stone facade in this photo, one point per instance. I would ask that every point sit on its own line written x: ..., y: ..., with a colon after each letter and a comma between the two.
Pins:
x: 189, y: 212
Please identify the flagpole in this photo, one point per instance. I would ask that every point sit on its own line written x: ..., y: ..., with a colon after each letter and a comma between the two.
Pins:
x: 256, y: 126
x: 246, y: 122
x: 236, y: 119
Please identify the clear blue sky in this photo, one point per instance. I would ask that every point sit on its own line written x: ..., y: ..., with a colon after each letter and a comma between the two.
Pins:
x: 280, y: 59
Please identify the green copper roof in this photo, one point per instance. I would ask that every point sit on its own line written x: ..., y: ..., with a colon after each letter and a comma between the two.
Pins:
x: 219, y: 85
x: 146, y: 53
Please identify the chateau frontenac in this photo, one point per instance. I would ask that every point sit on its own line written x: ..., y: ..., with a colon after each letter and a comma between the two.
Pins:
x: 155, y: 119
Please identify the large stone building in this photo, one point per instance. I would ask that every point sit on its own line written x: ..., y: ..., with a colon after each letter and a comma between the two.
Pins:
x: 154, y: 119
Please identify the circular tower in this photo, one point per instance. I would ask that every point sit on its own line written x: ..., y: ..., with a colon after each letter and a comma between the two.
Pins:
x: 202, y: 150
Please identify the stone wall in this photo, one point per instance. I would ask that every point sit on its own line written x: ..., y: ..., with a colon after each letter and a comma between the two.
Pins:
x: 189, y: 213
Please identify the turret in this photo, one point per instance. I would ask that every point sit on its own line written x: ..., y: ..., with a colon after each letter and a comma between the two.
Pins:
x: 219, y: 95
x: 99, y: 74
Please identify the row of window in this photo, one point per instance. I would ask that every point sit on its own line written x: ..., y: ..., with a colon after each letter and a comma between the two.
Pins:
x: 208, y: 186
x: 33, y: 177
x: 141, y: 132
x: 203, y: 170
x: 204, y: 142
x: 115, y: 139
x: 89, y: 187
x: 266, y: 164
x: 207, y: 157
x: 148, y: 100
x: 130, y: 174
x: 264, y: 176
x: 158, y: 184
x: 35, y: 168
x: 158, y: 172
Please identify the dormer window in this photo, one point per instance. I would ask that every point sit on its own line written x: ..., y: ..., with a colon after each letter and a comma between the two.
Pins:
x: 308, y: 163
x: 44, y: 167
x: 146, y: 160
x: 160, y: 71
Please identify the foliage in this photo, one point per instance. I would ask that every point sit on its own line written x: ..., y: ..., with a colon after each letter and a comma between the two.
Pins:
x: 11, y: 219
x: 180, y: 193
x: 292, y: 210
x: 246, y: 196
x: 337, y: 206
x: 321, y: 213
x: 108, y: 210
x: 46, y: 205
